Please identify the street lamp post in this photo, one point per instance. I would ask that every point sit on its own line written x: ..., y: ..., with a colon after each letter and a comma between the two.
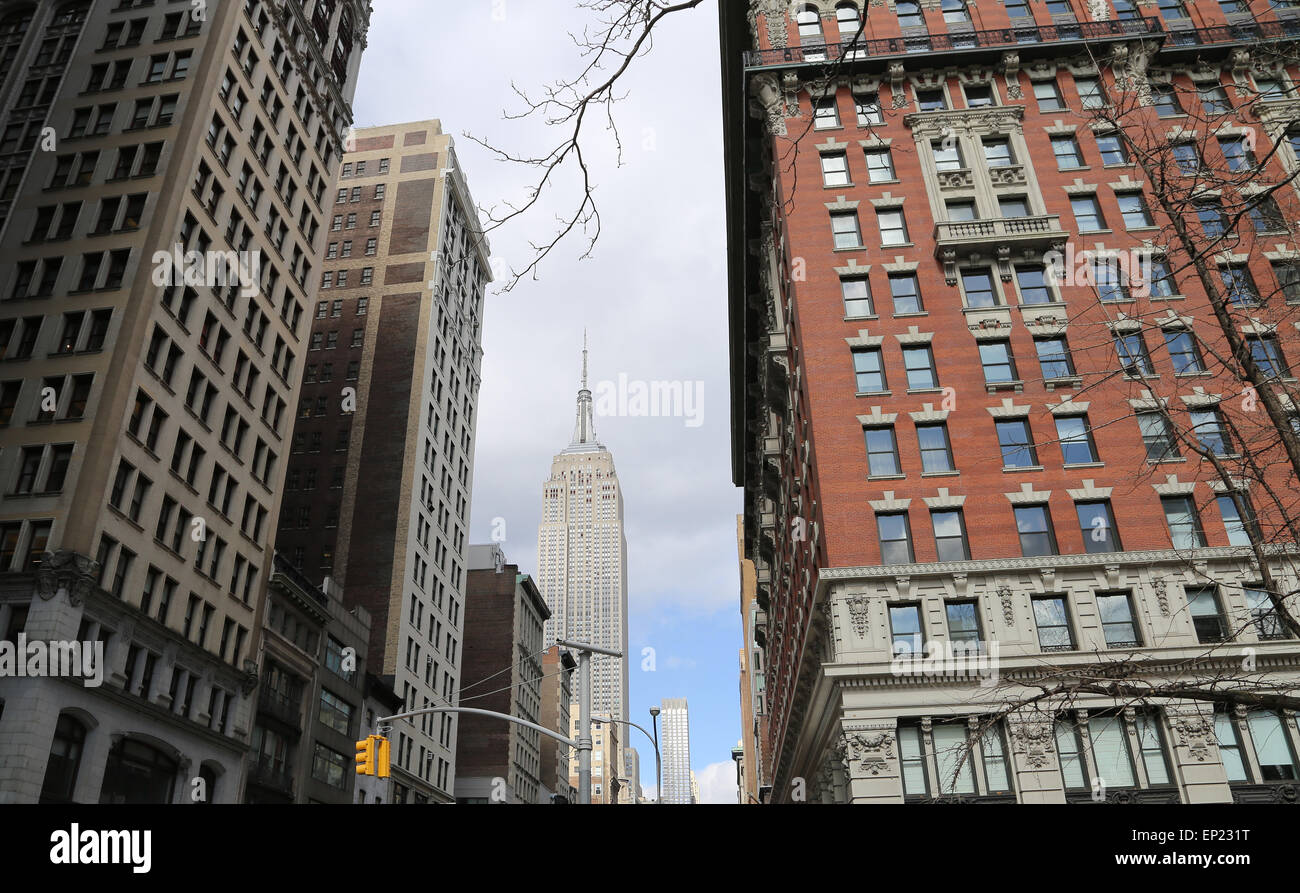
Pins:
x: 659, y: 771
x: 585, y: 651
x: 654, y: 711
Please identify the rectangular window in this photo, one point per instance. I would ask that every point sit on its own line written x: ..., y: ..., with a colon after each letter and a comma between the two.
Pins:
x: 950, y: 541
x: 1133, y: 208
x: 880, y: 166
x: 1034, y: 525
x: 1211, y: 432
x: 1091, y: 95
x: 870, y: 370
x: 835, y: 169
x: 882, y: 452
x: 1263, y: 614
x: 1207, y: 617
x: 1048, y: 95
x: 979, y: 288
x: 1087, y: 213
x: 905, y: 629
x: 895, y: 536
x: 1066, y: 150
x: 857, y: 296
x: 1117, y: 623
x: 1131, y: 350
x: 1183, y: 353
x: 953, y: 755
x: 1054, y: 358
x: 1272, y: 746
x: 1239, y: 286
x: 1034, y: 289
x: 905, y: 291
x: 893, y: 228
x: 1288, y: 279
x: 1165, y: 99
x: 997, y: 152
x: 867, y: 106
x: 912, y: 758
x: 1075, y: 436
x: 1184, y: 522
x: 1070, y: 755
x: 1157, y: 436
x: 931, y: 100
x: 936, y: 451
x: 998, y: 364
x: 844, y: 227
x: 1016, y: 443
x: 1053, y: 622
x: 918, y: 362
x: 1230, y: 747
x: 1231, y: 507
x: 1097, y: 524
x: 826, y: 113
x: 1267, y: 356
x: 1111, y: 752
x: 947, y: 155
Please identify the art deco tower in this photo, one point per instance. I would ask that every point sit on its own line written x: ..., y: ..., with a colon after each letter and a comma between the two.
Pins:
x: 582, y: 555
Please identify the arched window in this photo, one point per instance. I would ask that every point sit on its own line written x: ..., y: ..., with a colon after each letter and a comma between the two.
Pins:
x: 65, y: 760
x: 209, y: 776
x: 138, y: 773
x: 909, y: 14
x: 810, y: 25
x: 846, y: 14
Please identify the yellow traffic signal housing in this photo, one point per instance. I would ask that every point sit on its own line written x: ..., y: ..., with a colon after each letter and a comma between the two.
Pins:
x: 366, y: 756
x: 372, y: 756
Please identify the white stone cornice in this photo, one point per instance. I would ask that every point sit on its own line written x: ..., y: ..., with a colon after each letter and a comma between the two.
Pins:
x: 1237, y: 485
x: 1282, y: 252
x: 1009, y: 410
x: 1173, y: 487
x: 1228, y: 259
x: 1124, y: 323
x: 888, y: 200
x: 1060, y: 128
x: 913, y: 335
x: 853, y: 269
x: 901, y: 265
x: 877, y: 419
x: 1147, y: 401
x: 1028, y: 495
x: 1124, y: 184
x: 890, y: 504
x: 831, y: 145
x: 876, y: 142
x: 841, y: 204
x: 1258, y: 327
x: 1090, y: 490
x: 1078, y: 187
x: 929, y: 414
x: 944, y: 500
x: 1068, y: 406
x: 1198, y: 399
x: 865, y: 339
x: 1172, y: 320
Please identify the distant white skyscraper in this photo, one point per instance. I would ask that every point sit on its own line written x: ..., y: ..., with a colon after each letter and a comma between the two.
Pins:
x: 582, y: 556
x: 677, y: 752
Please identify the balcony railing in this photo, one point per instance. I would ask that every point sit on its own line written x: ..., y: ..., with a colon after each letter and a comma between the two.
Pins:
x: 267, y: 776
x: 1243, y: 32
x: 1020, y: 35
x: 283, y: 707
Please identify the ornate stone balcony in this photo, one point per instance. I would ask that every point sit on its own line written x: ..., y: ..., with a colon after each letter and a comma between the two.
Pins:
x: 1000, y: 239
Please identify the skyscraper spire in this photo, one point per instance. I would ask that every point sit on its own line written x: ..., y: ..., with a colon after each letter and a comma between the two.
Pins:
x: 584, y: 429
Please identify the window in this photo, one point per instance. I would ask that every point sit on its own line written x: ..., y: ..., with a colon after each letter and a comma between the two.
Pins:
x: 1207, y: 618
x: 1165, y: 99
x: 964, y: 624
x: 1268, y: 358
x: 869, y: 369
x: 1133, y: 356
x: 1054, y: 358
x: 1091, y: 95
x: 1075, y: 436
x: 826, y: 113
x: 979, y: 95
x: 1053, y: 622
x: 955, y: 12
x: 947, y: 155
x: 1048, y: 95
x: 1032, y: 282
x: 1112, y: 149
x: 1097, y: 525
x: 1272, y: 746
x: 997, y: 362
x: 1070, y: 754
x: 1034, y: 525
x: 1213, y: 221
x: 1288, y: 279
x: 1087, y: 213
x: 64, y: 764
x: 835, y: 169
x: 1234, y: 518
x: 960, y: 210
x: 919, y: 365
x: 867, y: 106
x: 1225, y: 730
x: 950, y: 535
x: 1183, y: 353
x: 911, y: 757
x: 880, y: 166
x: 844, y: 227
x: 1214, y: 99
x: 1239, y: 286
x: 1017, y: 445
x: 893, y: 228
x: 882, y: 452
x: 931, y: 100
x: 978, y: 285
x: 1117, y: 623
x: 895, y: 538
x: 1263, y: 614
x: 1237, y: 153
x: 905, y: 629
x: 1265, y: 215
x: 1157, y: 436
x: 1211, y: 432
x: 810, y: 31
x: 906, y: 293
x: 857, y: 296
x: 1270, y: 89
x: 1066, y: 150
x: 936, y: 451
x: 1133, y: 208
x: 997, y: 152
x: 1184, y: 522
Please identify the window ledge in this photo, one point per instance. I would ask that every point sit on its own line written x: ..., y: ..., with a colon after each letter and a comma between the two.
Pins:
x: 886, y: 477
x: 875, y: 393
x: 940, y: 474
x: 1008, y: 469
x: 1084, y: 465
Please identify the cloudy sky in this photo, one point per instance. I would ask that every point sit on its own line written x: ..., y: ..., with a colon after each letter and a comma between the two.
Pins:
x: 652, y: 298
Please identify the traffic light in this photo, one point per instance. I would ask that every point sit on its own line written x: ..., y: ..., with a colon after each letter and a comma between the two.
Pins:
x: 366, y: 756
x: 372, y: 756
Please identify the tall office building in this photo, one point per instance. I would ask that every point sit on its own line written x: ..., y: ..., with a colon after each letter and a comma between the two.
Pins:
x: 678, y: 780
x: 377, y: 493
x: 143, y: 402
x: 582, y: 556
x: 947, y: 446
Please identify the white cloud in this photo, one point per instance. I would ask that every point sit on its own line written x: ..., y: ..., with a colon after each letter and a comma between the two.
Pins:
x: 718, y: 783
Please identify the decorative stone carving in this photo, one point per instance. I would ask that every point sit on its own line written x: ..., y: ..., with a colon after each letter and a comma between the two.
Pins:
x: 1011, y: 71
x: 68, y: 570
x: 858, y: 607
x: 1162, y: 595
x: 1196, y: 733
x: 870, y: 750
x: 1036, y: 741
x: 1008, y: 607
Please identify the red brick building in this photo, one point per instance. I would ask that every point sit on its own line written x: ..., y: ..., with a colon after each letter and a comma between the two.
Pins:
x: 944, y: 437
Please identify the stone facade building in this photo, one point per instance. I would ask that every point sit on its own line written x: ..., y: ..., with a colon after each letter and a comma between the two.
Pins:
x: 946, y: 450
x: 163, y: 177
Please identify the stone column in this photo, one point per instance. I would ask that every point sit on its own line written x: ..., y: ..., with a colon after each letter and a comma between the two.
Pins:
x: 1194, y: 753
x: 94, y: 760
x: 1033, y: 759
x: 871, y: 762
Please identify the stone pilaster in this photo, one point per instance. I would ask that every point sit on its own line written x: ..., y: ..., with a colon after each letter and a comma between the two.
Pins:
x: 871, y: 761
x: 1033, y: 759
x: 1194, y: 751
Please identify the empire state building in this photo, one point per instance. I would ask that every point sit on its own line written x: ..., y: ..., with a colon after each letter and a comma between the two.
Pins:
x: 582, y: 555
